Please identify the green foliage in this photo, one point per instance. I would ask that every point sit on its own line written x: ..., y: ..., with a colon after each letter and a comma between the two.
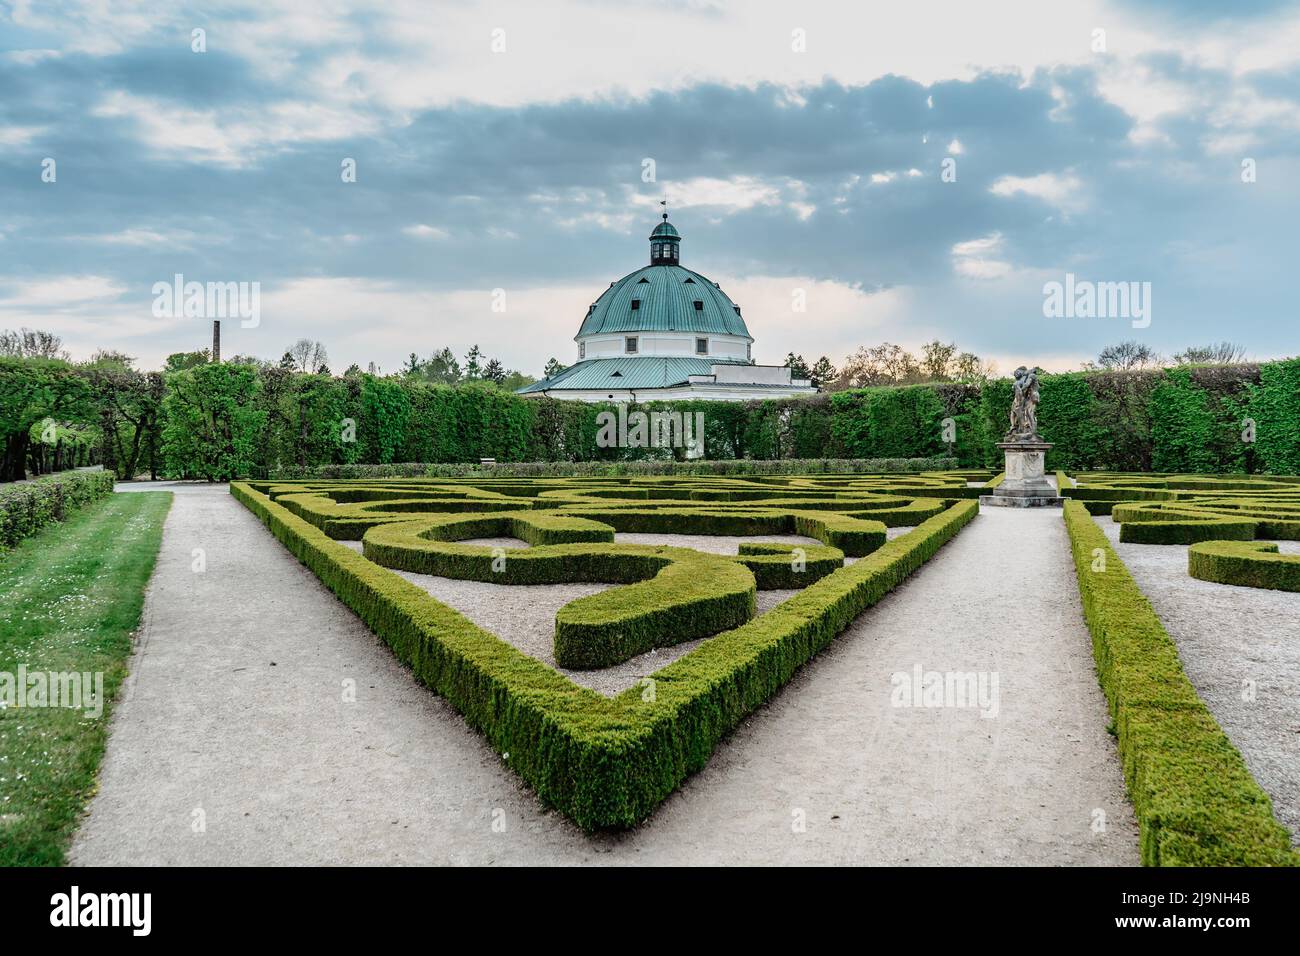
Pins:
x: 1182, y: 426
x: 1188, y: 419
x: 1251, y: 564
x: 1195, y: 800
x: 33, y: 392
x: 73, y: 595
x: 1275, y: 406
x: 889, y: 422
x: 213, y: 422
x: 27, y: 507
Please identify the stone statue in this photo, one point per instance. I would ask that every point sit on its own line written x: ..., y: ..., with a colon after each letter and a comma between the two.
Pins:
x: 1024, y: 407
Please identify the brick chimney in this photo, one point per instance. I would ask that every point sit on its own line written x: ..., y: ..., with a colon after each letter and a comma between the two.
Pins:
x: 216, y: 340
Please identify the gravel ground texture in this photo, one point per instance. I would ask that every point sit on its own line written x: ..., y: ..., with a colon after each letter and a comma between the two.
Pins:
x: 264, y: 724
x: 1227, y: 636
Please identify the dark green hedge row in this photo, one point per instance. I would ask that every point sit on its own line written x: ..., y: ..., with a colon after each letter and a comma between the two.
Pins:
x: 1173, y: 530
x: 224, y: 420
x: 546, y: 469
x: 693, y: 596
x: 1196, y: 802
x: 603, y: 762
x: 28, y: 506
x: 1255, y: 564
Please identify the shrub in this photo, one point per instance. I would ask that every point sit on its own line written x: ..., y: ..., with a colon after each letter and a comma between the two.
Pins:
x: 1195, y: 800
x: 28, y: 506
x: 1254, y: 564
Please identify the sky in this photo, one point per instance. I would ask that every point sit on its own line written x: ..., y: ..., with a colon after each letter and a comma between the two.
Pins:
x: 904, y: 171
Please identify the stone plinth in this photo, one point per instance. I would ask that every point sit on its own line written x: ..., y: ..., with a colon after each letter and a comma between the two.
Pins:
x: 1026, y: 484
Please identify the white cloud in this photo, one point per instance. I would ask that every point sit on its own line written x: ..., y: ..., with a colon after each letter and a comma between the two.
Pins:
x: 234, y: 137
x: 1064, y: 191
x: 15, y: 136
x: 422, y: 231
x: 978, y: 258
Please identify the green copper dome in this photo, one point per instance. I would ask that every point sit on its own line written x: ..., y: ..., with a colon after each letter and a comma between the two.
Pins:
x: 664, y: 297
x: 667, y: 299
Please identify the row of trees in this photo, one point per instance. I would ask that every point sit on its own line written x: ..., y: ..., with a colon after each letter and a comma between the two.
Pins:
x: 246, y: 417
x: 890, y: 364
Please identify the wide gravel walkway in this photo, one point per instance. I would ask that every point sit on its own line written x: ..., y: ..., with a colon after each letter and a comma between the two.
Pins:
x: 235, y: 743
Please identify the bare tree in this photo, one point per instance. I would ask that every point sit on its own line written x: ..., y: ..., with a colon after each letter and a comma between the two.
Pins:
x: 937, y: 361
x: 1127, y: 355
x: 32, y: 343
x: 1220, y: 353
x: 308, y: 356
x: 884, y: 364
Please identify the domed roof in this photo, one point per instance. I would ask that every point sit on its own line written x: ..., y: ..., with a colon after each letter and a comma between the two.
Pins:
x: 668, y: 298
x: 665, y: 228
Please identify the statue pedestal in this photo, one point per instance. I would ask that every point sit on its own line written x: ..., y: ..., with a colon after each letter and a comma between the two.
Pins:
x: 1026, y: 484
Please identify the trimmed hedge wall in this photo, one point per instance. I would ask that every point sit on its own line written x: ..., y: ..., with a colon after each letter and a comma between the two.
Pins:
x: 541, y: 469
x: 28, y: 506
x: 603, y: 762
x: 1255, y: 564
x: 1196, y: 802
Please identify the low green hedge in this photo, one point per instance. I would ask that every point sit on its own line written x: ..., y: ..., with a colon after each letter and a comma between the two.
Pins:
x: 28, y: 506
x: 777, y: 566
x: 690, y: 598
x: 1251, y: 564
x: 746, y: 466
x: 603, y: 762
x: 1186, y: 530
x: 1196, y: 802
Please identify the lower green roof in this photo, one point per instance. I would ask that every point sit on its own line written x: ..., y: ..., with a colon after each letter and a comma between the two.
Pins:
x: 646, y: 371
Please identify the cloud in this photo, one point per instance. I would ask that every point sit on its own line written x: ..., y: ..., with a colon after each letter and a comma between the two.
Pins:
x: 523, y: 170
x: 978, y: 258
x: 1062, y: 190
x: 422, y: 231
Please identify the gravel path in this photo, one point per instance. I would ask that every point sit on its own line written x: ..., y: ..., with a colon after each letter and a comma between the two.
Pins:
x: 1227, y: 635
x: 236, y: 718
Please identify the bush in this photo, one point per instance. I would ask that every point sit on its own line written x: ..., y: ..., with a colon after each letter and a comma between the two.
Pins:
x: 1254, y: 564
x: 545, y: 469
x: 28, y: 506
x: 1195, y: 800
x: 602, y: 762
x: 1170, y: 528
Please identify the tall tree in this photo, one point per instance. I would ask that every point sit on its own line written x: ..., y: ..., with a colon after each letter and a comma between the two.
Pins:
x: 309, y: 356
x: 474, y: 363
x: 32, y: 343
x: 822, y: 373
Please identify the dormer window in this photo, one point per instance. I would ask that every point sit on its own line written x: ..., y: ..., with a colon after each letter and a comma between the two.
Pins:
x: 699, y: 306
x: 636, y: 304
x: 701, y: 346
x: 629, y: 344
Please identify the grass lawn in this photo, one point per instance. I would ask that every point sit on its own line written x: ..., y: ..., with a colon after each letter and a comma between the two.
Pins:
x: 70, y: 598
